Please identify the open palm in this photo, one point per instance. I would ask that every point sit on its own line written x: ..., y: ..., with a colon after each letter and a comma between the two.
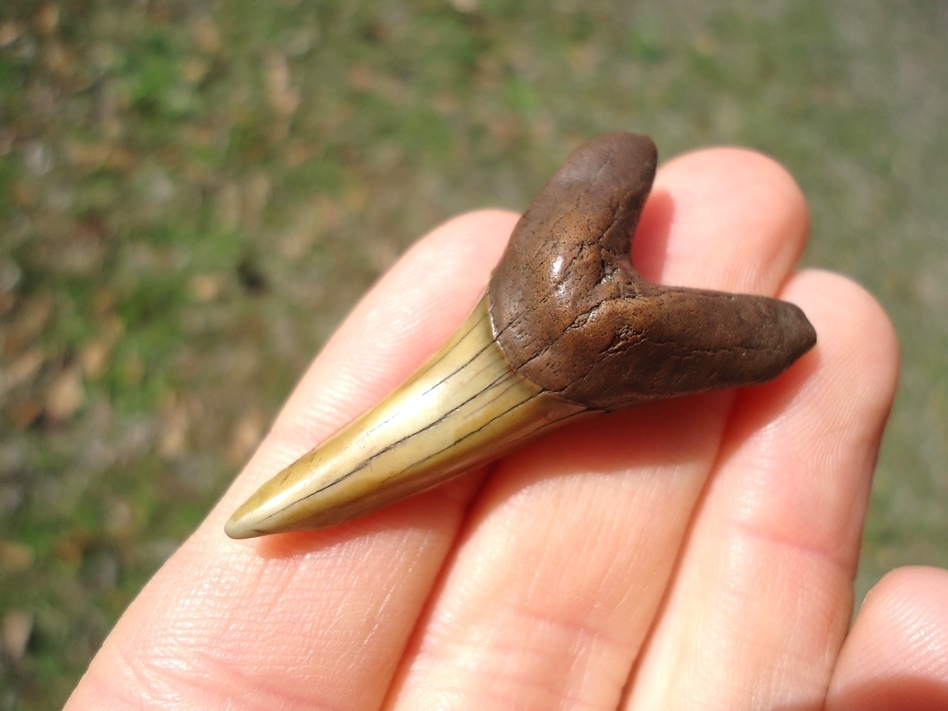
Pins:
x: 696, y: 553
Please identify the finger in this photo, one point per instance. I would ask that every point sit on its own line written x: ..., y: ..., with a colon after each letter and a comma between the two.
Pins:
x: 309, y: 620
x: 557, y: 577
x: 896, y: 656
x: 740, y: 230
x: 765, y: 580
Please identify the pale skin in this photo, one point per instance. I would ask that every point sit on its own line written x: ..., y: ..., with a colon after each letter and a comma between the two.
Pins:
x: 696, y: 553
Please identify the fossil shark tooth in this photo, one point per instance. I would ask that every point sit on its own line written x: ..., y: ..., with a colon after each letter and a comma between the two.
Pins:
x: 566, y: 329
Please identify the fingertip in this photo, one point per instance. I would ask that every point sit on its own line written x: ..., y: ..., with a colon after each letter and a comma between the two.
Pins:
x: 854, y: 335
x: 720, y: 168
x: 452, y: 261
x: 910, y: 593
x: 723, y: 218
x: 479, y: 234
x: 896, y: 655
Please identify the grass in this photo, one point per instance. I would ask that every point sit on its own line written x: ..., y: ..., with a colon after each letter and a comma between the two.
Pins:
x: 192, y: 198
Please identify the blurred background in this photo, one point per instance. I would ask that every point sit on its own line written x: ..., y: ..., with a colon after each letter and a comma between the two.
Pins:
x: 193, y: 194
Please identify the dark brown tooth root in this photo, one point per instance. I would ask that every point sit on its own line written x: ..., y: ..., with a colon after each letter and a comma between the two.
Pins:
x: 573, y: 315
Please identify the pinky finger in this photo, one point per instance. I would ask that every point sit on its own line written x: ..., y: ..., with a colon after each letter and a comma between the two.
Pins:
x: 896, y: 656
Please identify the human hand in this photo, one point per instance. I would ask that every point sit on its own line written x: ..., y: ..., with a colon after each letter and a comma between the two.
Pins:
x: 696, y: 553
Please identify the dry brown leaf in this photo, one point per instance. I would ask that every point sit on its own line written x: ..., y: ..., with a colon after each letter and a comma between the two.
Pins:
x: 9, y: 33
x: 245, y: 437
x: 176, y: 423
x: 205, y: 287
x: 65, y: 396
x: 16, y: 557
x: 284, y: 99
x: 17, y: 629
x: 22, y: 370
x: 47, y: 19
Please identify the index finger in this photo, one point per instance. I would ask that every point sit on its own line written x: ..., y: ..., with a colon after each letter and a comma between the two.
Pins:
x: 297, y: 618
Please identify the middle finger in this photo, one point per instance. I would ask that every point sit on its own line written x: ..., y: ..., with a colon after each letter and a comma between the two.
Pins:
x: 566, y: 556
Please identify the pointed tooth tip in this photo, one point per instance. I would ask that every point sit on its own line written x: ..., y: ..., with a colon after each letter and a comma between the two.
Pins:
x: 240, y: 526
x: 252, y: 524
x: 248, y: 521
